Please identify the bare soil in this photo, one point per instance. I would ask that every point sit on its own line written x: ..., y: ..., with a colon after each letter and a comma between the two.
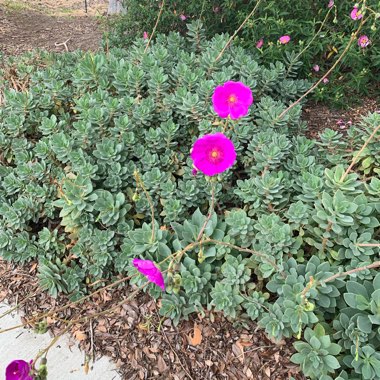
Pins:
x: 47, y: 24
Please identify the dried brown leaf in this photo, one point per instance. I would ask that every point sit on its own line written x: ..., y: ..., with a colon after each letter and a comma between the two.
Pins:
x: 80, y: 335
x: 161, y: 365
x: 196, y: 339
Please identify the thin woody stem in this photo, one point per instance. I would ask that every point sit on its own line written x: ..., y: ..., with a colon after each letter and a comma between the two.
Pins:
x: 357, y: 156
x: 311, y: 41
x: 375, y: 264
x: 237, y: 31
x: 155, y: 26
x: 210, y: 212
x: 140, y: 183
x: 312, y: 88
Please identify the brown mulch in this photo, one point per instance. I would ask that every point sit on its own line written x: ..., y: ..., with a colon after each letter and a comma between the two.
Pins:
x: 43, y: 24
x: 320, y: 116
x: 146, y: 346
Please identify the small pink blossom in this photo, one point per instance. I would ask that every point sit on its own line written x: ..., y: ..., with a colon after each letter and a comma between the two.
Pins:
x: 150, y: 271
x: 331, y: 4
x: 316, y: 68
x: 194, y: 172
x: 18, y: 370
x: 260, y: 43
x: 232, y: 99
x: 145, y: 35
x: 183, y: 17
x: 325, y: 80
x: 213, y: 154
x: 356, y: 14
x: 363, y: 41
x: 284, y: 39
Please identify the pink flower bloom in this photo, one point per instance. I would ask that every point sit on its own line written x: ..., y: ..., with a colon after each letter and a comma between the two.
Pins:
x: 260, y: 43
x: 18, y: 370
x: 213, y: 154
x: 325, y: 80
x: 356, y: 14
x: 232, y: 99
x: 284, y: 39
x: 183, y: 17
x: 150, y: 271
x: 363, y: 41
x: 316, y: 68
x: 331, y: 3
x: 145, y: 35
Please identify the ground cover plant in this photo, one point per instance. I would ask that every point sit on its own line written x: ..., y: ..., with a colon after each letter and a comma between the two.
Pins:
x: 317, y: 32
x: 98, y: 180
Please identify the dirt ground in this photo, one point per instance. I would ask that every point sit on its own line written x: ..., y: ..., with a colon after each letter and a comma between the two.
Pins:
x: 47, y: 24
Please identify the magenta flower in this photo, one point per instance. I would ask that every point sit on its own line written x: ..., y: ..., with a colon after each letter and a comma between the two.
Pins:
x: 150, y: 271
x: 183, y: 17
x: 232, y: 99
x: 316, y: 68
x: 194, y: 172
x: 213, y: 154
x: 145, y: 35
x: 325, y: 80
x: 356, y: 14
x: 18, y: 370
x: 260, y: 43
x: 331, y: 4
x: 363, y: 41
x: 284, y: 39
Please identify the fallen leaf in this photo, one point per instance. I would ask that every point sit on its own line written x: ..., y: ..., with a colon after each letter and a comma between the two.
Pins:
x: 196, y: 339
x: 80, y: 335
x: 245, y: 343
x: 161, y: 365
x: 238, y: 350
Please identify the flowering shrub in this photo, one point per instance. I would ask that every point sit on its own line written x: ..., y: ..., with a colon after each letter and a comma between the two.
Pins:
x: 281, y: 30
x: 97, y: 180
x: 327, y: 26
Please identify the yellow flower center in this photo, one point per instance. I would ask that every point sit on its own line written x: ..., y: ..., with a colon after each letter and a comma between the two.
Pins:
x: 214, y: 154
x: 232, y: 99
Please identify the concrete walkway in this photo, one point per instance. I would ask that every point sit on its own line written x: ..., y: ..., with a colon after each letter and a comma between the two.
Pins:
x: 63, y: 363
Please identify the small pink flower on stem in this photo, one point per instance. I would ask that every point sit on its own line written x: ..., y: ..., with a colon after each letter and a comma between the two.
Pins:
x: 145, y: 35
x: 232, y: 99
x: 18, y: 370
x: 363, y: 41
x: 325, y: 80
x: 331, y: 4
x: 183, y: 17
x: 284, y: 39
x: 260, y: 43
x: 316, y: 68
x: 150, y: 271
x: 356, y: 14
x: 213, y: 154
